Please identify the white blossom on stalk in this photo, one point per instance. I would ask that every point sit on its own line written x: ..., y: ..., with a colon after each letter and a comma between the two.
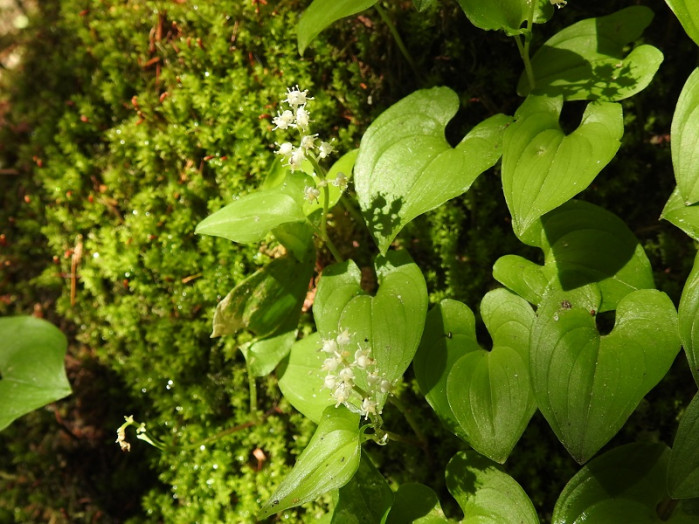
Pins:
x: 331, y: 364
x: 330, y: 381
x: 303, y: 118
x: 296, y: 97
x: 325, y: 149
x: 296, y: 158
x: 343, y: 338
x: 285, y: 149
x: 347, y: 375
x: 340, y: 181
x: 284, y: 120
x: 311, y: 193
x: 342, y: 393
x: 308, y: 142
x: 329, y: 346
x: 368, y: 407
x: 362, y: 359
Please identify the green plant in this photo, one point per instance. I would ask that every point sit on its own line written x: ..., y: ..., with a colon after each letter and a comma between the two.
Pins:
x: 583, y: 337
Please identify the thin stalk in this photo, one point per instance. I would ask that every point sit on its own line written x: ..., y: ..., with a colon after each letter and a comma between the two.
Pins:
x: 399, y: 41
x: 252, y: 386
x: 524, y: 53
x: 322, y: 174
x: 409, y: 418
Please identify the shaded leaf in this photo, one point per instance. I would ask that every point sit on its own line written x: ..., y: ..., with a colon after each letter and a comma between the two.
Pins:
x: 682, y: 216
x: 507, y: 15
x: 542, y: 167
x: 365, y: 498
x: 688, y: 318
x: 485, y: 493
x: 416, y: 503
x: 32, y: 373
x: 328, y: 462
x: 406, y: 167
x: 586, y: 61
x: 685, y: 139
x: 322, y: 13
x: 683, y: 470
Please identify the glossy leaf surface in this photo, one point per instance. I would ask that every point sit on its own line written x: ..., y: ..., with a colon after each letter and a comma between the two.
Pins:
x: 582, y: 244
x: 683, y: 216
x: 302, y: 380
x: 587, y: 384
x: 688, y: 318
x: 328, y: 462
x: 416, y: 503
x: 685, y: 139
x: 489, y: 391
x: 683, y: 470
x: 586, y: 60
x: 485, y: 493
x: 406, y: 167
x: 542, y: 167
x: 322, y: 13
x: 32, y: 372
x: 506, y: 15
x: 687, y: 13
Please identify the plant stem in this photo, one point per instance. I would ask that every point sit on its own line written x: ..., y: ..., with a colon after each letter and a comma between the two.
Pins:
x: 399, y: 41
x: 409, y: 418
x: 252, y: 385
x: 322, y: 174
x: 524, y: 53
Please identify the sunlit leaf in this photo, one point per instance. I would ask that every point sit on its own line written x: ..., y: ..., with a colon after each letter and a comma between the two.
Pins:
x: 328, y: 462
x: 586, y: 60
x: 485, y: 493
x: 688, y: 318
x: 506, y: 15
x: 687, y: 13
x: 406, y: 167
x: 365, y: 498
x: 542, y: 167
x: 685, y: 139
x: 32, y: 372
x: 681, y: 215
x: 322, y: 13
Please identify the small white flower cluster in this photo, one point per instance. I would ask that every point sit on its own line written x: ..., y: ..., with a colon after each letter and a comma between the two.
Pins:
x: 297, y: 117
x: 340, y: 379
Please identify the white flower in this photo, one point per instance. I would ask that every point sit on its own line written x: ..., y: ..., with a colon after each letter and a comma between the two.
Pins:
x: 325, y: 149
x: 302, y: 117
x: 368, y: 407
x: 311, y: 193
x: 347, y: 375
x: 296, y: 158
x: 285, y: 120
x: 330, y: 381
x: 343, y: 338
x: 295, y: 97
x: 329, y: 346
x: 285, y: 149
x: 330, y: 364
x: 373, y: 379
x: 342, y: 393
x: 385, y: 386
x: 308, y: 142
x: 362, y: 359
x: 340, y: 181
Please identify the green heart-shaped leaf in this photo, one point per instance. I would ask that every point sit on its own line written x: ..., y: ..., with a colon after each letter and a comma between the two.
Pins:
x: 688, y: 15
x: 586, y: 60
x: 488, y: 391
x: 688, y: 318
x: 681, y: 215
x: 507, y: 15
x: 302, y: 380
x: 543, y: 168
x: 587, y: 385
x: 582, y: 244
x: 485, y: 493
x: 389, y: 323
x: 683, y: 470
x: 365, y: 498
x: 406, y: 167
x: 623, y: 485
x: 328, y: 462
x: 685, y: 140
x: 32, y: 372
x: 322, y: 13
x: 450, y: 333
x: 416, y: 503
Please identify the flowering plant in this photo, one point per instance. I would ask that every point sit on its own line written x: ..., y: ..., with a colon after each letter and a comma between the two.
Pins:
x: 549, y: 353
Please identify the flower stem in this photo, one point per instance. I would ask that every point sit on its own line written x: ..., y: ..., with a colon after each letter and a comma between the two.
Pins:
x: 322, y: 174
x: 524, y: 53
x: 252, y: 386
x: 399, y: 41
x: 410, y: 419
